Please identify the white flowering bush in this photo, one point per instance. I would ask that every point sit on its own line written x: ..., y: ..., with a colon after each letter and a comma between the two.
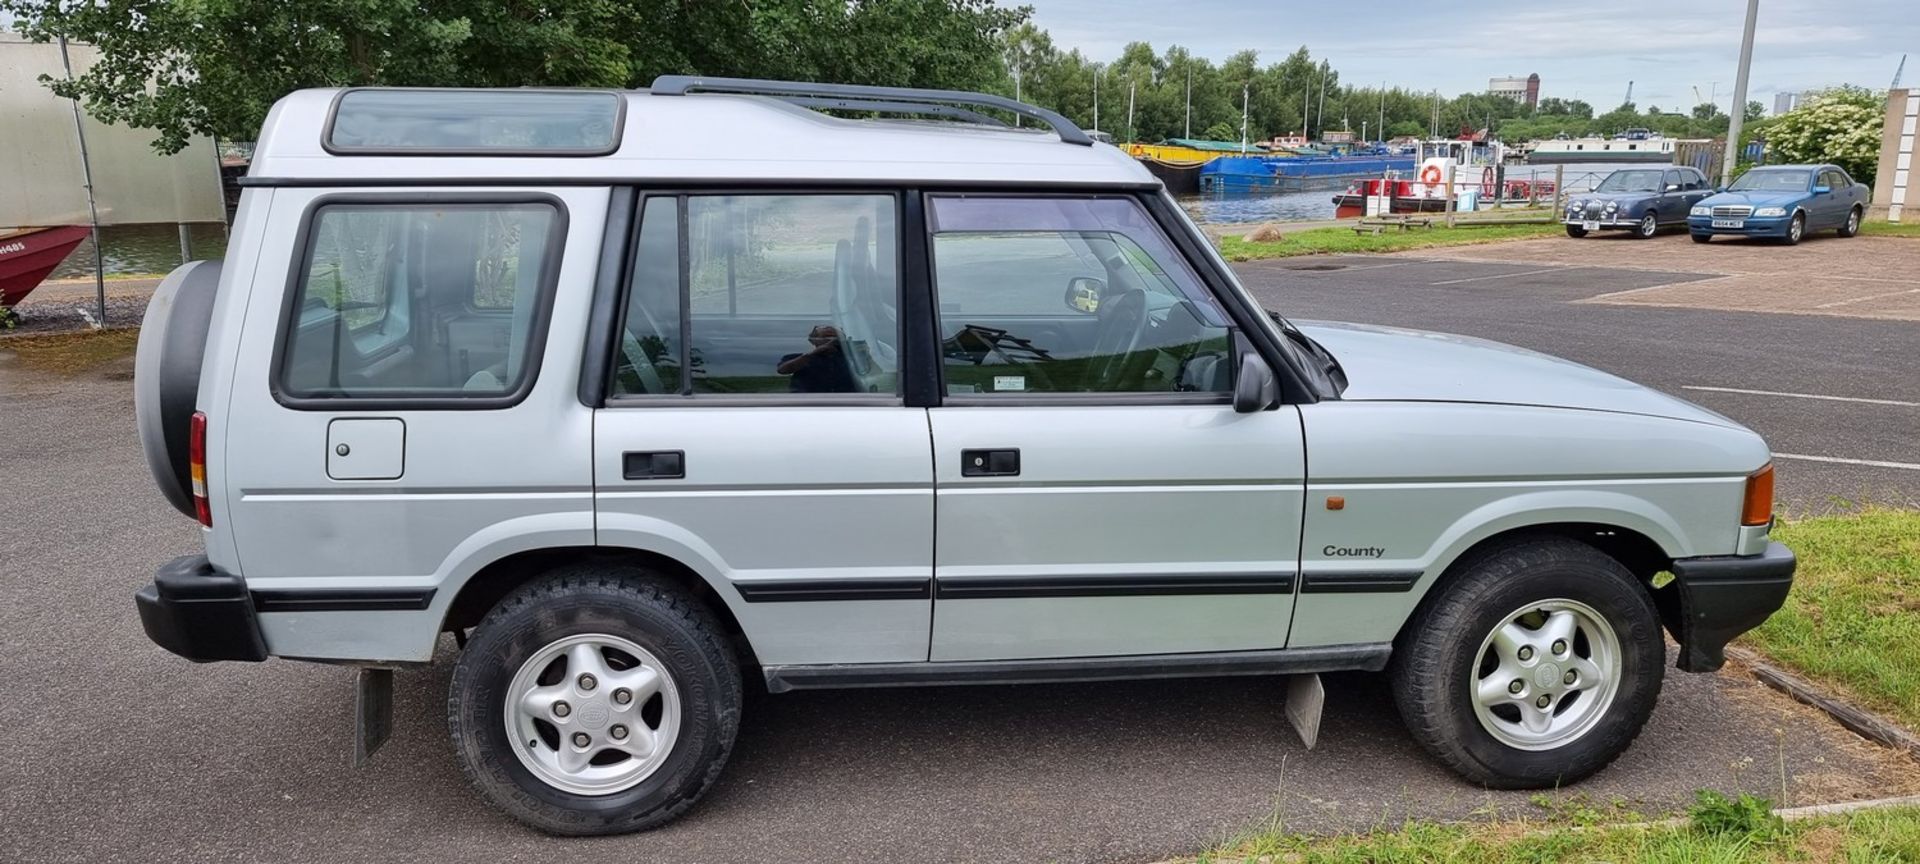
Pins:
x: 1841, y: 126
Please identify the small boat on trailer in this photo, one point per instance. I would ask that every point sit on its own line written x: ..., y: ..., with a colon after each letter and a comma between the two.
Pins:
x: 27, y: 255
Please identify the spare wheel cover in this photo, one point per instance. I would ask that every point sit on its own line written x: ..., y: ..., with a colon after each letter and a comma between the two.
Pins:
x: 166, y: 373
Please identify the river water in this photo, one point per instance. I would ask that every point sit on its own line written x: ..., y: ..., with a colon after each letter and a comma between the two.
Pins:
x: 141, y: 249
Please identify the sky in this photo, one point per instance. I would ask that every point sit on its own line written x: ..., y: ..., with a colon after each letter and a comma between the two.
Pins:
x: 1586, y: 50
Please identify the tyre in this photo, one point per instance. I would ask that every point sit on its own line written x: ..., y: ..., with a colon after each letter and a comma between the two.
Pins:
x: 1851, y: 227
x: 1535, y: 666
x: 595, y: 700
x: 1702, y: 238
x: 1649, y: 226
x: 1576, y: 231
x: 1796, y: 229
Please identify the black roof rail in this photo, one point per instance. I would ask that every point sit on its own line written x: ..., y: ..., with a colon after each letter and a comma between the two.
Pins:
x: 857, y: 97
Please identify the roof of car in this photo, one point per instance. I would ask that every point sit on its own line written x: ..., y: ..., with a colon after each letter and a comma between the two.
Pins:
x: 710, y: 137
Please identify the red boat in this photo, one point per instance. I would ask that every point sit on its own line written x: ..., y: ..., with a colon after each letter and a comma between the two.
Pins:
x: 27, y: 255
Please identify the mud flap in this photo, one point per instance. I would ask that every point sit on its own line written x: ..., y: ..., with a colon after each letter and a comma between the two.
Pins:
x: 373, y: 713
x: 1305, y: 699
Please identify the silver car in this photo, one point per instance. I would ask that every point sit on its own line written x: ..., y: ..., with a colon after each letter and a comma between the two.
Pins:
x: 642, y: 396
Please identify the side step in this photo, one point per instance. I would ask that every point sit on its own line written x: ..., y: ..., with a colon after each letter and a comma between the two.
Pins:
x: 1366, y: 657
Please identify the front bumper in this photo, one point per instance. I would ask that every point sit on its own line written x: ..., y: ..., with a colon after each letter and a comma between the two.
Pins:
x: 1617, y: 219
x: 1714, y: 599
x: 200, y: 612
x: 1752, y: 226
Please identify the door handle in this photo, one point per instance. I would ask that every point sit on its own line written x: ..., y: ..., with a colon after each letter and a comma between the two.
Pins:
x: 1003, y: 462
x: 654, y: 465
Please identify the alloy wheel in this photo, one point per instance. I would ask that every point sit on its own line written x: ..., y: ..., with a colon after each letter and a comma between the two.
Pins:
x: 592, y: 714
x: 1545, y: 675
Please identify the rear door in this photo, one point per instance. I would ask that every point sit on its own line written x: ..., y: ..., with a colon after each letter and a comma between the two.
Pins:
x: 755, y: 428
x: 388, y: 427
x: 1096, y: 494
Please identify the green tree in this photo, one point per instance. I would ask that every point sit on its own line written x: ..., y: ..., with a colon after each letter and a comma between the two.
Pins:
x: 188, y: 67
x: 1755, y: 112
x: 1841, y: 126
x: 1705, y: 111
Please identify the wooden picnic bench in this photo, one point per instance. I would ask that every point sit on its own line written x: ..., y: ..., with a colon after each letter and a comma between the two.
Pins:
x: 1382, y: 223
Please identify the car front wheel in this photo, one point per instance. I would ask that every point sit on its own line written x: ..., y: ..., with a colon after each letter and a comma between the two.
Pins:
x: 1536, y: 665
x: 1702, y: 238
x: 1649, y: 226
x: 1576, y: 231
x: 595, y: 700
x: 1796, y: 229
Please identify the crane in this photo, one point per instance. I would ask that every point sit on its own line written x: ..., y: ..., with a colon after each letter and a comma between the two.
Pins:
x: 1896, y: 72
x: 1696, y: 96
x: 1629, y: 99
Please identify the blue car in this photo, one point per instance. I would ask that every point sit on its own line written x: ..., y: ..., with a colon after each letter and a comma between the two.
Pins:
x: 1782, y: 202
x: 1640, y: 200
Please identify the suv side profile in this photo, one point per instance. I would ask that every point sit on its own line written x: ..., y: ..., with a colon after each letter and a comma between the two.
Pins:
x: 635, y: 406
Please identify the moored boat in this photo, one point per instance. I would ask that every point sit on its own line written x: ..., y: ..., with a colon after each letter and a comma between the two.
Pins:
x: 27, y: 255
x: 1629, y: 148
x: 1296, y: 173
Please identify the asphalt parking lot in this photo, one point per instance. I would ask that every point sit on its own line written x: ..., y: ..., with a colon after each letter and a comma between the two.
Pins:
x: 1731, y: 326
x: 125, y: 753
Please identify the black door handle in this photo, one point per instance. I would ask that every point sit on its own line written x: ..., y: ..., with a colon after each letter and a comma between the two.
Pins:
x: 654, y: 465
x: 990, y: 463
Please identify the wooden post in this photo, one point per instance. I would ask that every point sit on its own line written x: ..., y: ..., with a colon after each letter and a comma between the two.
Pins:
x: 1559, y: 190
x: 1449, y: 193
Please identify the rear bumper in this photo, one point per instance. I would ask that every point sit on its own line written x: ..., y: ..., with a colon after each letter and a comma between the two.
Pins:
x: 1723, y: 596
x: 200, y: 612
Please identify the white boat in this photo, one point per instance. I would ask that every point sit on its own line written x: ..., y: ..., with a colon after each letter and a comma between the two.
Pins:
x: 1631, y: 148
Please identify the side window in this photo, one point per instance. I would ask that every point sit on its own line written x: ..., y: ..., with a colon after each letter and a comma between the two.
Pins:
x: 1069, y: 295
x: 762, y: 294
x: 419, y: 300
x: 1834, y: 179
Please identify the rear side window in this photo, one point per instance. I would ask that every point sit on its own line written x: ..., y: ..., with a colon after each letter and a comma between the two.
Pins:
x: 747, y: 295
x: 416, y: 300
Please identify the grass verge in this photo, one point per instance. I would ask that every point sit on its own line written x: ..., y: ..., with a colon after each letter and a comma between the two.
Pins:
x: 1719, y: 831
x: 71, y: 353
x: 1852, y: 621
x: 1890, y: 229
x: 1342, y: 241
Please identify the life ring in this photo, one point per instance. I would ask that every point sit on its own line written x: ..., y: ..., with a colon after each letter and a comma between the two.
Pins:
x: 1486, y: 182
x: 1430, y: 175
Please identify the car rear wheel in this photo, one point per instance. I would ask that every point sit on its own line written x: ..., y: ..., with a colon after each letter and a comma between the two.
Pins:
x: 1796, y: 229
x: 1536, y: 665
x: 1649, y: 226
x: 595, y: 700
x: 1852, y: 226
x: 1576, y: 231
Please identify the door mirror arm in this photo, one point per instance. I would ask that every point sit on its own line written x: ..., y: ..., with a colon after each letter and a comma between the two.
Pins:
x: 1255, y: 388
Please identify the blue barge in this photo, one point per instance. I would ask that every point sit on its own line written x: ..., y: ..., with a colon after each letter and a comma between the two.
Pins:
x: 1295, y: 173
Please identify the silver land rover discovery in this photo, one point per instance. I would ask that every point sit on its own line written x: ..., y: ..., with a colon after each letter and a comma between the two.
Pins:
x: 640, y: 395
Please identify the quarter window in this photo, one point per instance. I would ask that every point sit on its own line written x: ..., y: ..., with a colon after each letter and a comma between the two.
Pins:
x: 1069, y: 295
x: 763, y: 294
x: 419, y: 300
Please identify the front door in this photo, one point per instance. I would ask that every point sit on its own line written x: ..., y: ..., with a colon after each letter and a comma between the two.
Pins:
x: 755, y: 429
x: 1096, y: 494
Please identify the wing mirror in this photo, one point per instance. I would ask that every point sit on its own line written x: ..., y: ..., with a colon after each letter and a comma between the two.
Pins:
x: 1255, y: 389
x: 1822, y: 190
x: 1083, y: 294
x: 1673, y: 187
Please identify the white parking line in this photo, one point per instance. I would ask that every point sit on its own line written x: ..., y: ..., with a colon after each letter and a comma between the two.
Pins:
x: 1872, y: 463
x: 1868, y: 297
x: 1505, y: 275
x: 1802, y: 395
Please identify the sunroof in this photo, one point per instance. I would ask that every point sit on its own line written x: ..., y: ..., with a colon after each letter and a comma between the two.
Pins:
x: 475, y: 122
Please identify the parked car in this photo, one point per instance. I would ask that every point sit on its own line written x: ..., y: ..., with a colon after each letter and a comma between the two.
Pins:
x: 1640, y: 200
x: 634, y: 415
x: 1783, y: 202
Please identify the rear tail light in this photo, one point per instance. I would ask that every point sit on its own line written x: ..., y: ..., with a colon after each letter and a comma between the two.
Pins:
x: 1757, y: 508
x: 197, y: 468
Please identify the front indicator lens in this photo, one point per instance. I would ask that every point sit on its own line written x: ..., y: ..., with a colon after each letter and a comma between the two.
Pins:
x: 1757, y: 508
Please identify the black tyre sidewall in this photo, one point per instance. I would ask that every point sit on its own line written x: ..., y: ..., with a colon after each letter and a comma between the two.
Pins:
x: 1576, y: 231
x: 1495, y: 587
x: 1642, y: 231
x: 656, y: 617
x: 1792, y: 237
x: 1702, y: 238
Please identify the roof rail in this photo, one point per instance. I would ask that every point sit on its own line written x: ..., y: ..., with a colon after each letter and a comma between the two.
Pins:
x: 856, y: 97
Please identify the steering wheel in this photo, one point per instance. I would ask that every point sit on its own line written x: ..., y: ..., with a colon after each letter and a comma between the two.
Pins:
x: 1123, y: 323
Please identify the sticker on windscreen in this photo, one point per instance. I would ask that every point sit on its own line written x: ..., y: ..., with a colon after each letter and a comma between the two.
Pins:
x: 1009, y: 383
